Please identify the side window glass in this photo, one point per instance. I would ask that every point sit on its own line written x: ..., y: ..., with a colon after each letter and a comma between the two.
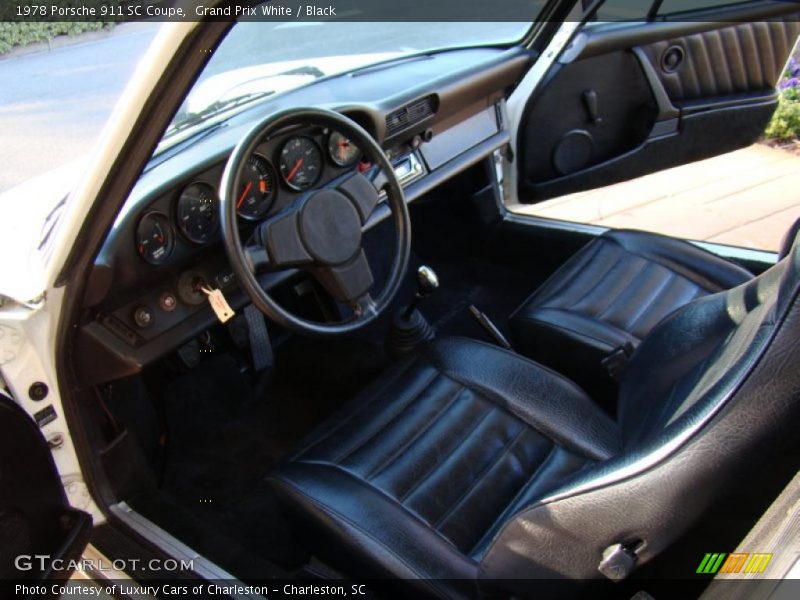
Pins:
x: 613, y: 11
x: 621, y: 10
x: 669, y: 7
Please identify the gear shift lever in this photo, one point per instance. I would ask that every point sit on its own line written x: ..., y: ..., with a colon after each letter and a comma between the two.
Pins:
x: 427, y: 283
x: 410, y: 328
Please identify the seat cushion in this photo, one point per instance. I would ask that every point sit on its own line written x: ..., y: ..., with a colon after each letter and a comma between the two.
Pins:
x: 612, y: 292
x: 413, y: 478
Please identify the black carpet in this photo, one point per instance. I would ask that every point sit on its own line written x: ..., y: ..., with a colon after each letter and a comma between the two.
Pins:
x: 222, y: 439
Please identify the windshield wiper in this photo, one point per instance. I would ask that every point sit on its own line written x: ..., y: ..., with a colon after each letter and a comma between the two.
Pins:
x: 228, y: 103
x: 216, y: 108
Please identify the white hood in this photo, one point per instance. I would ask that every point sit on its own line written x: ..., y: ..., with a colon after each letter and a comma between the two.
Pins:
x: 24, y: 221
x: 28, y: 267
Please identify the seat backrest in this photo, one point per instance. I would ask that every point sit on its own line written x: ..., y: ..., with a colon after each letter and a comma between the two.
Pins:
x: 685, y: 367
x: 713, y: 389
x: 788, y: 240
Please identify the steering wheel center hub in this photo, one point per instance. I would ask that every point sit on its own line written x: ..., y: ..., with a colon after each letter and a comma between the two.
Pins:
x: 330, y: 227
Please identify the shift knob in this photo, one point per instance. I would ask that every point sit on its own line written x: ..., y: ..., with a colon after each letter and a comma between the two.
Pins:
x: 427, y: 281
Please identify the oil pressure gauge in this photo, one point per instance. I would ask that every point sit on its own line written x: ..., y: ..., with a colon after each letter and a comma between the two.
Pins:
x: 155, y: 238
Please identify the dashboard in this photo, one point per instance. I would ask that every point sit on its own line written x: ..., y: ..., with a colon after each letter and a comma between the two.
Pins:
x: 278, y: 171
x: 434, y: 116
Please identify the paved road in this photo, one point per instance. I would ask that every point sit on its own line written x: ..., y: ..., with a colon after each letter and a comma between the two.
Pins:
x: 57, y: 102
x: 60, y: 100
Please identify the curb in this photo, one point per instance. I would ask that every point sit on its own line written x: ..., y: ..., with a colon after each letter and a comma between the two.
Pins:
x: 87, y: 37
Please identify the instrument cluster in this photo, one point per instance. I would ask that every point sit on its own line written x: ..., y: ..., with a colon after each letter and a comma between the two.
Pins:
x: 275, y: 174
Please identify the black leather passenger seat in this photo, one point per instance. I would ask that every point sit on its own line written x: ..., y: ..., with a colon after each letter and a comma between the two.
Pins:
x: 613, y: 292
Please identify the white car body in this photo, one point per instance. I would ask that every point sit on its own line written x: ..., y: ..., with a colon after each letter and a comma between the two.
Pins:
x: 31, y: 302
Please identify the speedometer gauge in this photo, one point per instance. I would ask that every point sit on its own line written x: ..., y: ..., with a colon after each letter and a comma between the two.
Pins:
x: 198, y: 216
x: 257, y: 191
x: 155, y: 238
x: 342, y: 151
x: 300, y: 162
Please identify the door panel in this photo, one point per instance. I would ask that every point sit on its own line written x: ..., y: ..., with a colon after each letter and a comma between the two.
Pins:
x: 746, y: 58
x: 563, y: 137
x: 620, y: 109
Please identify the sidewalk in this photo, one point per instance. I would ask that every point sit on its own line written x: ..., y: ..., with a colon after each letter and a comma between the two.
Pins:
x: 746, y: 198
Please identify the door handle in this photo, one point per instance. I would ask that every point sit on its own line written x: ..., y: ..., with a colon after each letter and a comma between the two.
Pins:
x: 590, y: 101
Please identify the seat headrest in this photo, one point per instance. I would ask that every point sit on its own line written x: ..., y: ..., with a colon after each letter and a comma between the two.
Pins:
x: 788, y: 240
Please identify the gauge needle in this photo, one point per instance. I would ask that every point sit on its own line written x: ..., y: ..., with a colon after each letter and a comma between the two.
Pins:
x: 246, y: 191
x: 297, y: 165
x: 343, y: 146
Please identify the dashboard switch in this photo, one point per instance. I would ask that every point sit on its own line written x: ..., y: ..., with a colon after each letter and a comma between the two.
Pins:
x: 167, y: 301
x: 143, y: 317
x: 225, y: 278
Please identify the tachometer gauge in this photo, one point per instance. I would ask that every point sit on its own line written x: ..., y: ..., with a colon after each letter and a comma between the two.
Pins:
x: 342, y: 151
x: 197, y: 212
x: 300, y: 162
x: 155, y: 238
x: 257, y: 192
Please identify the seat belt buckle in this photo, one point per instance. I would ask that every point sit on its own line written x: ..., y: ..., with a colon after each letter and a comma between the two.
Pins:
x: 618, y: 562
x: 616, y: 362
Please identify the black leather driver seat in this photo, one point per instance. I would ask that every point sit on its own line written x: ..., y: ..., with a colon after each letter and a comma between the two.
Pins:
x: 468, y: 467
x: 422, y: 470
x: 611, y: 293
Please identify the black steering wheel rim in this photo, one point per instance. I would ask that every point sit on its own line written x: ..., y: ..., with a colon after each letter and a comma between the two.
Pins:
x: 241, y: 262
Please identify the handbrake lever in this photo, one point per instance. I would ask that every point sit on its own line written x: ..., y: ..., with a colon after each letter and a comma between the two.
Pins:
x: 490, y: 328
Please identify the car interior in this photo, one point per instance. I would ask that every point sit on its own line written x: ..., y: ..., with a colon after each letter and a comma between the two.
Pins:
x: 315, y: 344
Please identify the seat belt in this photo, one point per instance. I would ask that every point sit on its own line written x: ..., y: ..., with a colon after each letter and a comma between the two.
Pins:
x: 260, y: 345
x: 616, y: 362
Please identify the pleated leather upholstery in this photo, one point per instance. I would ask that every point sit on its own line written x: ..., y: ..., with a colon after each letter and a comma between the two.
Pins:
x: 745, y: 58
x: 468, y: 471
x: 452, y: 442
x: 614, y: 290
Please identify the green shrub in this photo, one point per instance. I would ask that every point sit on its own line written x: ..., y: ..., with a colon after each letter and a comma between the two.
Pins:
x: 785, y: 123
x: 22, y: 34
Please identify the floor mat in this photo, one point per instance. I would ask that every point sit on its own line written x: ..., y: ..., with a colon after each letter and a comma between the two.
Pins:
x: 494, y: 288
x: 223, y: 439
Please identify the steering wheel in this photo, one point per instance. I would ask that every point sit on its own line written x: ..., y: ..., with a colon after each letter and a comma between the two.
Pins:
x: 320, y: 231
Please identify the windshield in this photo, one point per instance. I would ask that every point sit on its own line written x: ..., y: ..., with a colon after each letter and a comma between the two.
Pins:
x: 259, y: 59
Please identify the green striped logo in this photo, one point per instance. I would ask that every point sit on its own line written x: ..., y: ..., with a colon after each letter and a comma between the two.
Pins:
x: 711, y: 562
x: 752, y: 563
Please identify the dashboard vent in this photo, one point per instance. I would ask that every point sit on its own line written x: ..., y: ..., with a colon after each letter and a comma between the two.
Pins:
x: 409, y: 115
